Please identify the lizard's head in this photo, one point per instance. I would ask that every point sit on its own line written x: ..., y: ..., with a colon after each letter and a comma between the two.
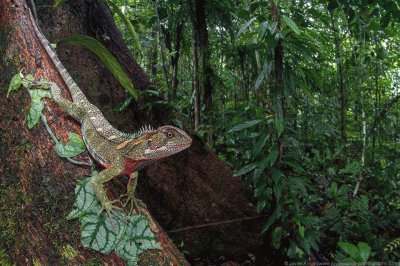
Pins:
x: 162, y: 142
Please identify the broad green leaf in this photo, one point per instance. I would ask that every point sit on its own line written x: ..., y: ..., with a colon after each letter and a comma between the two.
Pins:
x: 85, y: 200
x: 15, y: 83
x: 272, y: 157
x: 260, y: 145
x: 276, y: 175
x: 100, y: 232
x: 279, y: 126
x: 262, y: 29
x: 38, y: 94
x: 365, y: 251
x: 292, y: 25
x: 263, y: 163
x: 264, y: 73
x: 244, y: 125
x: 33, y: 117
x: 123, y: 105
x: 247, y: 168
x: 244, y: 27
x: 127, y: 23
x: 276, y: 237
x: 36, y: 107
x: 270, y: 221
x: 75, y: 146
x: 350, y: 249
x: 108, y: 59
x: 136, y: 239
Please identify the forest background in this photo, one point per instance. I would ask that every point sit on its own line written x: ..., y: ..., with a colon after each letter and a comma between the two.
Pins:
x: 301, y: 99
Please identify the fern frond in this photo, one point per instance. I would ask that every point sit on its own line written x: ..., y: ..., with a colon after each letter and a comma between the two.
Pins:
x: 394, y: 244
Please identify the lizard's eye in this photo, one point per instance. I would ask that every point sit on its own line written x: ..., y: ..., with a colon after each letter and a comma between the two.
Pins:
x: 149, y: 142
x: 170, y: 135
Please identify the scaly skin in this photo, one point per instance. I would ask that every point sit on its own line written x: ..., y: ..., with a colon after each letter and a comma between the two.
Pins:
x: 118, y: 152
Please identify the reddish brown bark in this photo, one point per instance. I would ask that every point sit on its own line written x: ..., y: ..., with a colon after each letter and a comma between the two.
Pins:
x: 188, y: 189
x: 43, y: 158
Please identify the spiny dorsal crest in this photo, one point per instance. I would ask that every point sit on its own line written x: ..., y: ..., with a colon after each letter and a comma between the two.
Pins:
x: 140, y: 132
x: 144, y: 130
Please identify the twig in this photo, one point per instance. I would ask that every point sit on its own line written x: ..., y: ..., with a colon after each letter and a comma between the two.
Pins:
x: 216, y: 223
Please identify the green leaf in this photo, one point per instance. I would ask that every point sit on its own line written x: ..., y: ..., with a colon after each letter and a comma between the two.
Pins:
x: 123, y: 105
x: 276, y: 237
x: 244, y: 125
x: 247, y: 168
x: 264, y: 73
x: 244, y: 27
x: 108, y: 59
x: 279, y: 126
x: 292, y: 25
x: 36, y: 107
x: 57, y: 3
x: 136, y: 239
x: 100, y: 232
x: 301, y: 230
x: 75, y: 146
x: 262, y: 29
x: 127, y: 23
x: 272, y: 157
x: 261, y: 205
x: 26, y: 82
x: 85, y: 200
x: 15, y: 83
x: 365, y: 251
x: 333, y: 189
x: 177, y: 123
x: 263, y: 163
x: 33, y: 117
x: 260, y: 145
x: 271, y: 219
x: 350, y: 249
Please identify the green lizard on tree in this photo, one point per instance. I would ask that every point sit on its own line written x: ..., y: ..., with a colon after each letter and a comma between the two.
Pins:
x: 118, y: 152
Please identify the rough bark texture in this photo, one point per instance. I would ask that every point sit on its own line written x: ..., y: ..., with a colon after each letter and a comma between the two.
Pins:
x: 35, y: 61
x: 36, y: 186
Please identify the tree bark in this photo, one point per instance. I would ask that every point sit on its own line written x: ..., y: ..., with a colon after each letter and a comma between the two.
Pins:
x: 175, y: 59
x: 279, y: 89
x: 37, y: 187
x: 342, y: 99
x: 204, y: 51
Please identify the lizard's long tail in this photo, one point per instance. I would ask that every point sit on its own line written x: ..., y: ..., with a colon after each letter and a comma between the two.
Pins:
x: 76, y: 93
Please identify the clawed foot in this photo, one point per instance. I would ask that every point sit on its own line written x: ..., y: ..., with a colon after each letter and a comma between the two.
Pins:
x: 110, y: 208
x: 130, y: 198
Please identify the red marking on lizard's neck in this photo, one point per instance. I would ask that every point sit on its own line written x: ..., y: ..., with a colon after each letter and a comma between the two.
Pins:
x: 131, y: 165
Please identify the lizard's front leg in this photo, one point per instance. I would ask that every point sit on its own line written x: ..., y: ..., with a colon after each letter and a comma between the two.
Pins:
x: 97, y: 184
x: 130, y: 192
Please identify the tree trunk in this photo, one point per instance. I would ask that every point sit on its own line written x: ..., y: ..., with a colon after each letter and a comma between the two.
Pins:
x: 342, y: 100
x: 163, y: 49
x: 202, y: 35
x: 175, y: 59
x: 37, y: 186
x: 279, y: 89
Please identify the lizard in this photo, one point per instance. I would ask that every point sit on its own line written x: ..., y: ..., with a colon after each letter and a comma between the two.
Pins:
x: 119, y: 153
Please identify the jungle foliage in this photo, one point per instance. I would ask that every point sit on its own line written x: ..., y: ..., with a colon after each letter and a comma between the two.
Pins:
x: 301, y: 99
